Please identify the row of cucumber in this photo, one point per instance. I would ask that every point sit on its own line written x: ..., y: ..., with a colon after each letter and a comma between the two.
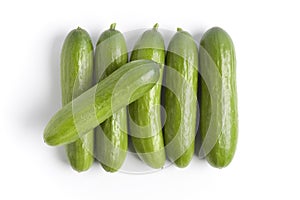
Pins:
x: 93, y: 122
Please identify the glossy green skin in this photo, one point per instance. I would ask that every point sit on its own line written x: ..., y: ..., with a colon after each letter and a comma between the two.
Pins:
x: 111, y: 137
x: 97, y: 104
x: 145, y: 111
x: 219, y: 47
x: 179, y: 129
x: 77, y: 77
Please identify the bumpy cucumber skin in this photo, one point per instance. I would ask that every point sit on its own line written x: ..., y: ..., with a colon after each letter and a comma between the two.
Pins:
x: 95, y: 105
x: 182, y: 56
x: 77, y: 77
x: 111, y: 54
x: 146, y: 110
x: 219, y: 46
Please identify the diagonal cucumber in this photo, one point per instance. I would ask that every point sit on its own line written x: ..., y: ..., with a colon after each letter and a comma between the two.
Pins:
x: 97, y: 104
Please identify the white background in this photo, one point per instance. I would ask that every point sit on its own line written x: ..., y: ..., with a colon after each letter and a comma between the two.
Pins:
x: 267, y: 39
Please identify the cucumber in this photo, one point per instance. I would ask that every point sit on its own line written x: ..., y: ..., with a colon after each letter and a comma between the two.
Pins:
x: 76, y: 77
x: 145, y: 123
x: 111, y: 136
x: 218, y: 107
x: 97, y: 104
x: 181, y: 98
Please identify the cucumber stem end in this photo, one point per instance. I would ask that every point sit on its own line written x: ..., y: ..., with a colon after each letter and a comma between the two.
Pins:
x: 113, y: 26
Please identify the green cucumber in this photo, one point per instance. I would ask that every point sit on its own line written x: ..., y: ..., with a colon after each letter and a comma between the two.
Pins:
x: 181, y: 98
x: 97, y: 104
x: 111, y: 136
x: 77, y: 77
x: 145, y: 123
x: 218, y: 107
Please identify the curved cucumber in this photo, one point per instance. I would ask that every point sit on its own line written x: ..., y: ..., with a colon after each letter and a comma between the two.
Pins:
x: 181, y: 98
x: 76, y: 77
x: 97, y: 104
x: 111, y: 136
x: 145, y: 126
x: 219, y: 118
